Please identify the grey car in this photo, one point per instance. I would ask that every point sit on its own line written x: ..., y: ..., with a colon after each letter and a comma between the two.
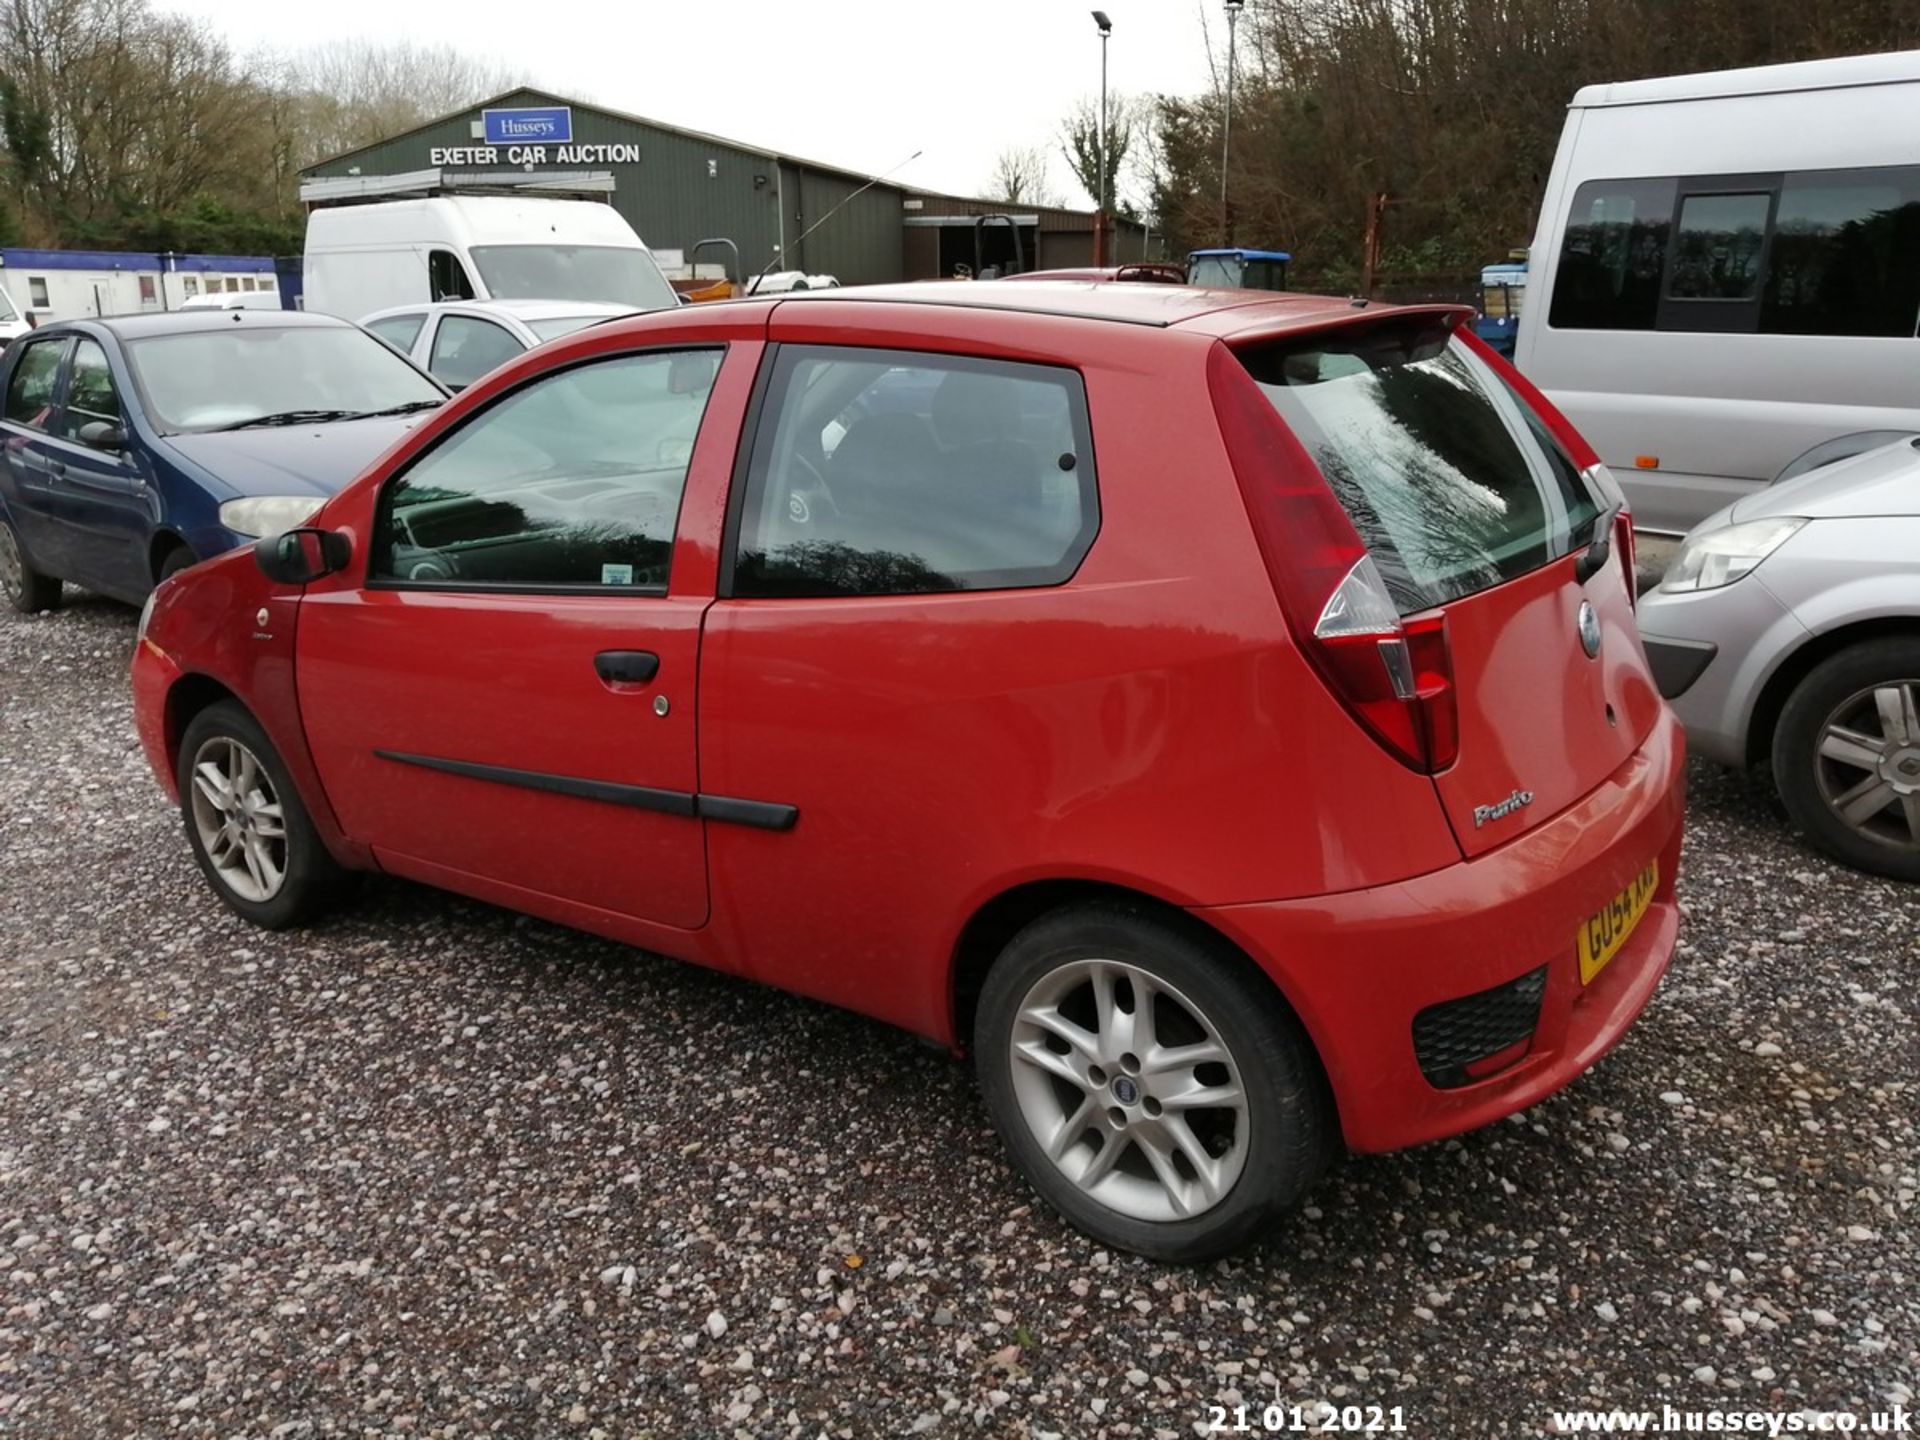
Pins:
x: 1787, y: 631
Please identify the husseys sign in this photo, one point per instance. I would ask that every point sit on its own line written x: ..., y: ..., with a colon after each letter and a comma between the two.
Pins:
x: 540, y: 135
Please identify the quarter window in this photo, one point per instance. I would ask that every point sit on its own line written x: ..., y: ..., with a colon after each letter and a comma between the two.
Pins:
x: 30, y: 387
x: 90, y: 391
x: 399, y: 331
x: 464, y: 349
x: 880, y: 472
x: 571, y: 482
x: 1613, y: 255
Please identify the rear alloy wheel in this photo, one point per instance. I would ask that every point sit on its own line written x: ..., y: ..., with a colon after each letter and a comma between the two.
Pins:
x: 246, y: 824
x: 26, y: 589
x: 1148, y: 1083
x: 1846, y: 756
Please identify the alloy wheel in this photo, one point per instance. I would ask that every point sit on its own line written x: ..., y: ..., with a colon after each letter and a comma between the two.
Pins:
x: 1129, y: 1090
x: 13, y: 569
x: 237, y: 816
x: 1868, y: 768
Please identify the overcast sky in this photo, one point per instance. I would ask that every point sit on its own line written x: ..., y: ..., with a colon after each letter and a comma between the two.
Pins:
x: 858, y: 83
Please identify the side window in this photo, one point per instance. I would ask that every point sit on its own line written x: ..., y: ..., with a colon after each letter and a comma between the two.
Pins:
x: 464, y: 349
x: 880, y: 472
x: 399, y: 331
x: 1612, y: 256
x: 447, y: 277
x: 90, y: 392
x: 30, y: 387
x: 37, y: 292
x: 1846, y: 254
x: 190, y: 284
x: 572, y: 482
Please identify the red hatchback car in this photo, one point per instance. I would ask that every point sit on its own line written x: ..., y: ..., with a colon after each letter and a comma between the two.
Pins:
x: 1220, y: 711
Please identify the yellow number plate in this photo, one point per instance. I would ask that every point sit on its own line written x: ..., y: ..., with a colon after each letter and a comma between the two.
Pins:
x: 1603, y: 935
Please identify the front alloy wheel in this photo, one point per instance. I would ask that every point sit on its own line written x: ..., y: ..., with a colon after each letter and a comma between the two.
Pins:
x: 1846, y: 756
x: 249, y: 831
x: 237, y: 815
x: 1149, y: 1081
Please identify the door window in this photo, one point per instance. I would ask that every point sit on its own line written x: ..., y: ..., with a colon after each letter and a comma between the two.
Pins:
x: 879, y: 472
x: 447, y: 277
x: 465, y: 348
x: 1717, y: 246
x: 399, y: 331
x: 572, y: 482
x: 90, y: 391
x: 30, y: 387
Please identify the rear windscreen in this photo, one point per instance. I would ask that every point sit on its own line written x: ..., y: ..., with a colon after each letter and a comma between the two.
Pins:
x: 1453, y: 482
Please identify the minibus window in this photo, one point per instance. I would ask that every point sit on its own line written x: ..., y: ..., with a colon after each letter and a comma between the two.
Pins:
x: 1846, y: 254
x: 1613, y: 255
x: 1717, y: 246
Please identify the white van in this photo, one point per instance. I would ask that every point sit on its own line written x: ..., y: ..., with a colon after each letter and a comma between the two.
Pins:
x: 12, y: 323
x: 1726, y: 277
x: 363, y: 258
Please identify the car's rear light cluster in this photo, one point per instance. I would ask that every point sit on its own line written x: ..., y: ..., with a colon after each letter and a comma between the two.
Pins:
x: 1395, y: 676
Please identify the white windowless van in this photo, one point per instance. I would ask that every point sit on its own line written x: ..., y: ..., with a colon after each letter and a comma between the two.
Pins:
x: 1726, y: 277
x: 366, y: 257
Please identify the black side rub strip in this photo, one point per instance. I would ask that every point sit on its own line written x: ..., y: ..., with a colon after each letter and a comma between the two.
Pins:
x: 760, y: 814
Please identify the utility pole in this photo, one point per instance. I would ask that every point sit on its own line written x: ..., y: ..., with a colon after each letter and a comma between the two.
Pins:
x: 1100, y: 180
x: 1234, y: 7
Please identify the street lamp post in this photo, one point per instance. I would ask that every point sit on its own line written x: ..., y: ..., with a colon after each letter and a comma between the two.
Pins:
x: 1100, y: 179
x: 1234, y: 7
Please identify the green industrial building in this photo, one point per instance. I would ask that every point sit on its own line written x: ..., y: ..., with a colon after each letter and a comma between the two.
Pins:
x: 677, y: 187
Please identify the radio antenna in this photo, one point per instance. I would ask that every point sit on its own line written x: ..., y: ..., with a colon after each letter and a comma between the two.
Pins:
x: 779, y: 253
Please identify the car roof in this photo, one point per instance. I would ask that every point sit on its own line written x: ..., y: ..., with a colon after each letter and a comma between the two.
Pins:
x: 1244, y: 254
x: 518, y: 309
x: 1123, y: 301
x: 180, y: 322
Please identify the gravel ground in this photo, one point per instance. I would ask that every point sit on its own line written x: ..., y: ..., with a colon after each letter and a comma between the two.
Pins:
x: 431, y: 1169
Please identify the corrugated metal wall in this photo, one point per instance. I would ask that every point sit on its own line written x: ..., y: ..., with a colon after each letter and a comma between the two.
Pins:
x: 689, y: 187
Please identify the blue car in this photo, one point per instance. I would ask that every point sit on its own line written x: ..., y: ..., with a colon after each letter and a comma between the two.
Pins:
x: 132, y: 447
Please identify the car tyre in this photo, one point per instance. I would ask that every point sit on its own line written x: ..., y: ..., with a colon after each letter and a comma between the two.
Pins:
x: 179, y: 558
x: 27, y: 590
x: 1072, y: 1064
x: 1846, y: 756
x: 249, y: 831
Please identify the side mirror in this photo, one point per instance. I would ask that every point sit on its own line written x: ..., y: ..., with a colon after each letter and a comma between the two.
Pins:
x: 300, y: 557
x: 103, y: 435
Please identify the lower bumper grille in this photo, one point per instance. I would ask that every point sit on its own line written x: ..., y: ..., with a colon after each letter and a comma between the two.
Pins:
x: 1451, y: 1036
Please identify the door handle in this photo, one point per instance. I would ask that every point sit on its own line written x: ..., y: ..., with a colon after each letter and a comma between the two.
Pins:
x: 626, y: 667
x: 57, y: 469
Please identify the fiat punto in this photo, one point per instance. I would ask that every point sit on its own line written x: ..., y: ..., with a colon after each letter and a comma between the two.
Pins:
x: 1219, y: 712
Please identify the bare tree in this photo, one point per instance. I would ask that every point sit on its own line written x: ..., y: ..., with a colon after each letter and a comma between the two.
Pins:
x: 1020, y: 177
x: 1080, y: 142
x: 354, y: 92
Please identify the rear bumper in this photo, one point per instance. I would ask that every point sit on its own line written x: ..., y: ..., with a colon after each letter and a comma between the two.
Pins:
x: 1360, y: 966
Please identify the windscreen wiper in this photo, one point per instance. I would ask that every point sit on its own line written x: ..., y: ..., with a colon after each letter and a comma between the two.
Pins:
x: 405, y: 408
x: 1599, y: 549
x: 290, y: 417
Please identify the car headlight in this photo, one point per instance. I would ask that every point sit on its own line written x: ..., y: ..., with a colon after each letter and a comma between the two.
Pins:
x: 1720, y: 557
x: 259, y: 515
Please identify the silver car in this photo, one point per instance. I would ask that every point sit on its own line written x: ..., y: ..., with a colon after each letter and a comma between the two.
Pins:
x: 1787, y: 630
